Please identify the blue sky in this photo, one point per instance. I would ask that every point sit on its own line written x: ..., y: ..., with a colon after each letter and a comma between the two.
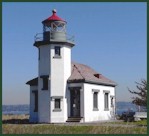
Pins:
x: 109, y: 37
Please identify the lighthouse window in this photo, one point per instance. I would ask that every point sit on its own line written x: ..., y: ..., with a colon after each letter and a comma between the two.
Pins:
x: 45, y: 82
x: 57, y: 51
x: 35, y: 101
x: 57, y: 103
x: 39, y: 54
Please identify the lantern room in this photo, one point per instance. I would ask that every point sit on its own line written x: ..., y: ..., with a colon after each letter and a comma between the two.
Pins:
x: 54, y: 31
x: 54, y: 28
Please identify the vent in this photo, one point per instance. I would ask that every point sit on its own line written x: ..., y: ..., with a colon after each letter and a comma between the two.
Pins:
x: 97, y: 75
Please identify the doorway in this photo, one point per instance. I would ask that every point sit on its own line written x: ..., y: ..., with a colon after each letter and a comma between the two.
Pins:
x: 75, y: 103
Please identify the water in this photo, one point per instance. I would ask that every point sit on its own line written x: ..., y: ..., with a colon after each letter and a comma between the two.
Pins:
x: 15, y: 109
x: 24, y: 109
x: 125, y: 106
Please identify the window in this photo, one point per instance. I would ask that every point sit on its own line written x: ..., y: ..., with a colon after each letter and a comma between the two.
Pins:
x: 57, y: 104
x: 106, y: 101
x: 38, y: 53
x: 57, y: 51
x: 35, y: 101
x: 45, y: 84
x: 95, y: 101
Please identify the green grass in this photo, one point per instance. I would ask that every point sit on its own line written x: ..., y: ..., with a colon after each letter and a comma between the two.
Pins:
x: 138, y: 123
x: 62, y: 129
x: 142, y: 122
x: 10, y: 127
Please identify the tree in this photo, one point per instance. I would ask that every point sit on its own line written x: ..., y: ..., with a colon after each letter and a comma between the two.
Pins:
x: 141, y: 92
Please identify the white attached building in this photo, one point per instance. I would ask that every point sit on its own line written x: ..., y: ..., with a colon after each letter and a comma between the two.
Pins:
x: 66, y: 91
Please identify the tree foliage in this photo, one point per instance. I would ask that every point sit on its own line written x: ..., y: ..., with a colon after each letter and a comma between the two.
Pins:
x: 141, y: 93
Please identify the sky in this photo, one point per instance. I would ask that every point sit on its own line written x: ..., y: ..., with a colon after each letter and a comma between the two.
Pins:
x: 110, y: 37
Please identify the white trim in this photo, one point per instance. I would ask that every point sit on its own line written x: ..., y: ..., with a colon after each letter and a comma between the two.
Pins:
x: 106, y: 91
x: 96, y: 90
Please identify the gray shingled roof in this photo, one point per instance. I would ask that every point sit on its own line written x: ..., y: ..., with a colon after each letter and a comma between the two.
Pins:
x: 83, y: 73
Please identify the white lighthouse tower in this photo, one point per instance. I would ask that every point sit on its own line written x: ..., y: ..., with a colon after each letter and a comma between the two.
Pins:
x: 54, y: 68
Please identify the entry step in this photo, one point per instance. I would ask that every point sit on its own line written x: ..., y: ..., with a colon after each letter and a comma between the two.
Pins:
x: 74, y: 119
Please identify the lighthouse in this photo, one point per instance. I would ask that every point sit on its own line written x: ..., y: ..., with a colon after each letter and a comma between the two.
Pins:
x: 66, y: 91
x: 54, y: 68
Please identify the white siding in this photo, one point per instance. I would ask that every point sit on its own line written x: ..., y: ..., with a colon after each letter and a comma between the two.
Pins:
x: 44, y: 62
x: 60, y: 72
x: 44, y: 95
x: 101, y: 114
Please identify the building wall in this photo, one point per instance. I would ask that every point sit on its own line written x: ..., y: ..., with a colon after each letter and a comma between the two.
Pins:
x: 44, y: 61
x: 60, y: 72
x: 33, y: 115
x: 101, y: 114
x: 44, y: 95
x: 67, y: 73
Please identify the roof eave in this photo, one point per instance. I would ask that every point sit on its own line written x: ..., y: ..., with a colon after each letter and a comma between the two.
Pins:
x: 33, y: 82
x: 92, y: 82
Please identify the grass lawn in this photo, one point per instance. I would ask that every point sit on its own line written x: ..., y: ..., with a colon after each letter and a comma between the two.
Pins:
x: 102, y: 128
x: 138, y: 123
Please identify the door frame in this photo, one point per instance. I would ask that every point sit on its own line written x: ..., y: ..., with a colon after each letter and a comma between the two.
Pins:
x: 72, y: 89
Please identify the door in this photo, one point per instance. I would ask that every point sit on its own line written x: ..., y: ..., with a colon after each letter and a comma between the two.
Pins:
x: 75, y: 103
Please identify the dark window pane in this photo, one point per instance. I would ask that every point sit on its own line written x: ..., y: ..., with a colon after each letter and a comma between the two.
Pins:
x: 57, y: 51
x: 57, y: 103
x: 36, y: 101
x: 45, y: 83
x: 106, y: 101
x: 95, y: 100
x: 39, y: 53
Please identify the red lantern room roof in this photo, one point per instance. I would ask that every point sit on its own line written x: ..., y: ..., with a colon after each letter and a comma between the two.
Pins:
x: 54, y: 17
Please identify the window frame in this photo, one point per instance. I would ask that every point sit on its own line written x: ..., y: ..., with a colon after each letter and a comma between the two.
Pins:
x: 106, y: 100
x: 95, y: 95
x: 57, y: 103
x: 45, y: 82
x: 55, y: 98
x: 35, y: 92
x: 38, y: 53
x: 57, y: 55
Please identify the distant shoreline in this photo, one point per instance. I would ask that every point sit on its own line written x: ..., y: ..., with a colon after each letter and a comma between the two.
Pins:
x: 24, y: 108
